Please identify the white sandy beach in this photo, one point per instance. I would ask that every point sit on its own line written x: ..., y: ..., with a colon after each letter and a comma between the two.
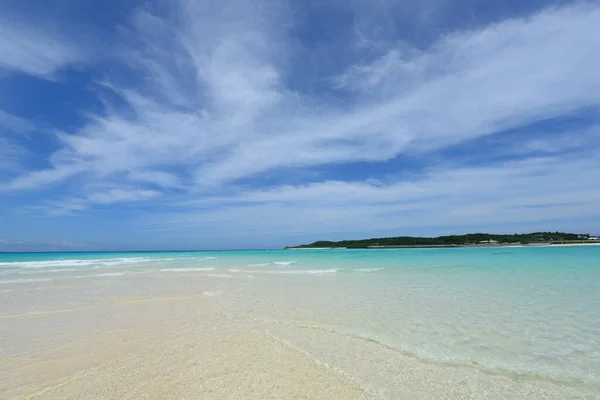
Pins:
x: 577, y: 244
x: 182, y: 336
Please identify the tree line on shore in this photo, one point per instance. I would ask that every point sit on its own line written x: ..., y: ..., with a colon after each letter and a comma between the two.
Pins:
x: 451, y: 240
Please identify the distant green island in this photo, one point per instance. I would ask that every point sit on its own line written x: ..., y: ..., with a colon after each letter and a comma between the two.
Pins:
x: 471, y: 239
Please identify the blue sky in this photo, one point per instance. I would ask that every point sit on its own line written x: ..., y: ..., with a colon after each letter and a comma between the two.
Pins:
x: 256, y: 124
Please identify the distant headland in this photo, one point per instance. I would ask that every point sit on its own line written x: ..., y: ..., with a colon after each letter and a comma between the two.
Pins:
x: 468, y: 240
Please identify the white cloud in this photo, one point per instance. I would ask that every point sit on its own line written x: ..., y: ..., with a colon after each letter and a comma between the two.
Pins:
x: 223, y: 61
x: 11, y: 242
x: 120, y: 195
x: 466, y: 85
x: 539, y: 178
x: 35, y: 179
x: 68, y: 243
x: 26, y: 48
x: 56, y: 245
x: 528, y: 191
x: 213, y: 105
x: 71, y: 205
x: 158, y: 178
x: 13, y: 123
x: 12, y: 155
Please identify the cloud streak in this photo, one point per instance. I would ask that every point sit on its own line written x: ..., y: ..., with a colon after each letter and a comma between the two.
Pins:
x: 29, y: 50
x: 12, y: 155
x: 534, y: 188
x: 203, y: 103
x: 235, y: 118
x: 13, y: 123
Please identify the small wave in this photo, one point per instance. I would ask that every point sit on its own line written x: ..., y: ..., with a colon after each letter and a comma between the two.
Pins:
x: 219, y: 275
x: 73, y: 263
x: 120, y: 261
x: 259, y: 265
x: 310, y: 272
x: 368, y: 269
x: 289, y: 272
x: 497, y: 368
x: 211, y: 258
x: 187, y: 269
x: 107, y: 274
x: 25, y: 280
x: 96, y: 262
x: 212, y: 294
x: 47, y: 271
x: 285, y: 263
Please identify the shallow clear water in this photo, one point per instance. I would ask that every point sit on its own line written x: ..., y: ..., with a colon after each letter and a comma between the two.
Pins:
x: 522, y: 312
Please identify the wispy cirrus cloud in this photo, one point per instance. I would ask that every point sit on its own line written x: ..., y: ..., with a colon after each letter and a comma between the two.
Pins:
x: 11, y: 242
x: 70, y: 205
x: 55, y: 245
x: 12, y: 155
x: 540, y: 189
x: 13, y: 123
x: 202, y: 103
x: 37, y: 179
x: 120, y: 195
x: 32, y: 50
x: 214, y: 100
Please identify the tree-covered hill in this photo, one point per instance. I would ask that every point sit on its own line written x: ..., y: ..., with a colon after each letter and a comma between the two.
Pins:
x: 452, y: 240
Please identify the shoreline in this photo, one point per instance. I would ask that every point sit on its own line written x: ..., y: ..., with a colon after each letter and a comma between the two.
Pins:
x: 478, y: 246
x: 313, y: 248
x: 174, y: 331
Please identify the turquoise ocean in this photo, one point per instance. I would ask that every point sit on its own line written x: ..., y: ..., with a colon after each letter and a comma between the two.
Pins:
x: 521, y: 312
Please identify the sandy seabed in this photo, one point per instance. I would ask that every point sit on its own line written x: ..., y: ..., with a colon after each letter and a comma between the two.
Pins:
x: 171, y: 336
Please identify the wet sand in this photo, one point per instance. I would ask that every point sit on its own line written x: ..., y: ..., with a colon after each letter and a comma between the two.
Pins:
x: 132, y: 339
x: 171, y: 336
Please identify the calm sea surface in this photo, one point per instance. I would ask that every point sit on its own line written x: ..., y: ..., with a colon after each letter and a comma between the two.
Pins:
x: 519, y: 312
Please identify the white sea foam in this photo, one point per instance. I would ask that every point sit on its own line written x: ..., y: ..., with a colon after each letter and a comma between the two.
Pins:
x: 108, y: 274
x: 95, y: 262
x: 288, y: 272
x: 212, y: 294
x: 307, y: 271
x: 219, y: 275
x: 120, y: 261
x: 187, y: 269
x: 310, y: 272
x: 368, y: 269
x: 46, y: 271
x: 74, y: 262
x: 25, y: 280
x: 278, y: 263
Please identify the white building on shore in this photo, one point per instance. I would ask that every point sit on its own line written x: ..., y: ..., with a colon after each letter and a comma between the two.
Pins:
x: 491, y: 241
